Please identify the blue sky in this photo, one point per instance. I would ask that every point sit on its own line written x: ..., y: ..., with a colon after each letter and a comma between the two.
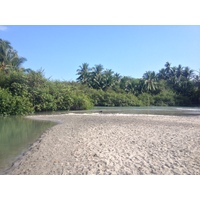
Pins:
x: 129, y: 50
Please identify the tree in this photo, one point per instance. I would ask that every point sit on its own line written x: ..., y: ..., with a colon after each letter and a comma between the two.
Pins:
x: 162, y: 74
x: 168, y: 70
x: 150, y: 81
x: 188, y: 73
x: 179, y: 73
x: 107, y: 79
x: 9, y: 58
x: 84, y: 73
x: 96, y: 78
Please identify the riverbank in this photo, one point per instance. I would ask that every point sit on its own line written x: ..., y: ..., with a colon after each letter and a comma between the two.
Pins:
x: 114, y: 144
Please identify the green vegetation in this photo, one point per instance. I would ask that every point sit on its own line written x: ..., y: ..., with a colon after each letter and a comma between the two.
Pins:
x: 24, y: 91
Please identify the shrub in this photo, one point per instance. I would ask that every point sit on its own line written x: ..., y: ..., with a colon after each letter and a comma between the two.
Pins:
x: 13, y: 104
x: 81, y: 102
x: 146, y: 99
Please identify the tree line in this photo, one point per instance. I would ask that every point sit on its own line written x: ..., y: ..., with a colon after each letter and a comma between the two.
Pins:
x: 171, y: 86
x: 24, y: 91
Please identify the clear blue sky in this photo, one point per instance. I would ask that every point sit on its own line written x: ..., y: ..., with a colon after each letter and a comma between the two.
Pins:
x: 129, y: 50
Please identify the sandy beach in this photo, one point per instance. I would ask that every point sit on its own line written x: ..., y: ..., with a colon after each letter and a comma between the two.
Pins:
x: 109, y: 144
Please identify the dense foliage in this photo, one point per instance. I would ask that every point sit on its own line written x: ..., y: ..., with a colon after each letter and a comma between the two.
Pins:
x: 24, y: 91
x: 171, y: 86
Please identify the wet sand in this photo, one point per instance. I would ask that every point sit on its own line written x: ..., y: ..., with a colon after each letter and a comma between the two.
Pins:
x: 114, y: 144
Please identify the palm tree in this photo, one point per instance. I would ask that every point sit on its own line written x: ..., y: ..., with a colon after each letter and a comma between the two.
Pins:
x: 96, y: 77
x: 84, y: 73
x: 196, y: 79
x: 150, y: 80
x: 5, y: 48
x: 168, y: 69
x: 117, y: 78
x: 97, y: 70
x: 9, y: 58
x: 125, y: 83
x: 179, y: 73
x: 107, y: 79
x: 16, y: 61
x: 188, y: 73
x: 162, y: 74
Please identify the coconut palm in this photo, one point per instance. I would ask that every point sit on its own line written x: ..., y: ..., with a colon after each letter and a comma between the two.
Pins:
x: 5, y: 48
x: 179, y: 73
x: 150, y: 81
x: 9, y: 58
x: 168, y: 69
x: 97, y: 70
x: 196, y: 79
x: 188, y: 73
x: 107, y: 79
x: 117, y: 78
x: 96, y: 79
x: 84, y: 73
x: 125, y: 83
x: 162, y: 74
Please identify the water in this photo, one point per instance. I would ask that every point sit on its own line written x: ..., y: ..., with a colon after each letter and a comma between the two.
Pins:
x: 16, y: 135
x: 152, y: 110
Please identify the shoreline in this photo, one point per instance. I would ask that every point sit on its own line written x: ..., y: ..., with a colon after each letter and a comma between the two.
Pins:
x: 113, y: 144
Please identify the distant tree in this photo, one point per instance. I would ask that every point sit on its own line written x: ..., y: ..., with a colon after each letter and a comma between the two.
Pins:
x: 108, y: 79
x: 188, y: 73
x: 179, y: 73
x: 162, y: 74
x: 9, y: 58
x: 168, y: 70
x: 150, y: 81
x: 96, y: 78
x: 84, y: 73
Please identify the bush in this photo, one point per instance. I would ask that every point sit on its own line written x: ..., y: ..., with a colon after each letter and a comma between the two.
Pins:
x: 146, y: 99
x: 81, y: 102
x: 13, y: 104
x: 21, y: 106
x: 165, y: 98
x: 6, y: 102
x: 111, y: 98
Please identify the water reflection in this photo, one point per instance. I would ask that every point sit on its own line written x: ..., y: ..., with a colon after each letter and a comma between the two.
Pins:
x: 16, y: 135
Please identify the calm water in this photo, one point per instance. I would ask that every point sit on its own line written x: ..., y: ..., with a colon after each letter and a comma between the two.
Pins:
x: 16, y: 135
x: 156, y: 110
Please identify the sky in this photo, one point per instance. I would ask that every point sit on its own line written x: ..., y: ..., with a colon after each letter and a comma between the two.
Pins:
x: 129, y: 50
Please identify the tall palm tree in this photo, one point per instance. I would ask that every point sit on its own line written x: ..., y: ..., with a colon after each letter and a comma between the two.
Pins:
x: 5, y: 48
x: 84, y: 73
x: 188, y: 73
x: 168, y: 69
x: 97, y: 70
x: 162, y: 74
x: 117, y: 78
x: 9, y: 58
x: 125, y: 83
x: 108, y: 79
x: 97, y: 76
x: 196, y: 79
x: 179, y: 73
x: 150, y: 81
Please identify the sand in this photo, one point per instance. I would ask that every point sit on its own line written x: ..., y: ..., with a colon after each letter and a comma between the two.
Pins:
x: 109, y: 144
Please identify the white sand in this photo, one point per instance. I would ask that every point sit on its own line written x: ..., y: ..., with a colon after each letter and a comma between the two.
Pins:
x: 114, y: 144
